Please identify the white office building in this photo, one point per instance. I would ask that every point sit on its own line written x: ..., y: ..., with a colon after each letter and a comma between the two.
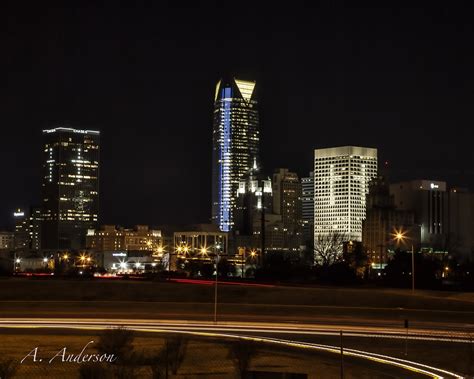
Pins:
x: 341, y: 182
x: 307, y: 206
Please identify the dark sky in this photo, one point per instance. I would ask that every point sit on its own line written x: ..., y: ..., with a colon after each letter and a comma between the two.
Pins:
x: 397, y: 79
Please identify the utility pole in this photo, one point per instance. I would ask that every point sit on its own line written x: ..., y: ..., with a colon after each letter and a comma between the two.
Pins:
x: 262, y: 226
x: 406, y: 337
x: 342, y: 358
x: 412, y: 269
x: 470, y: 354
x: 216, y: 247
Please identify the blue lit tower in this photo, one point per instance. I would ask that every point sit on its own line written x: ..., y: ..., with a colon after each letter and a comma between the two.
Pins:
x: 235, y: 145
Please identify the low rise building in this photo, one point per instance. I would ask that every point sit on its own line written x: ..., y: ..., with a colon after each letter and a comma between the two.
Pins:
x: 7, y: 240
x: 112, y: 238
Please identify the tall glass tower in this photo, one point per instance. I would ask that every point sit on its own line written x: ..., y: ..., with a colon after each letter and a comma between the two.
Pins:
x: 70, y: 187
x: 235, y: 145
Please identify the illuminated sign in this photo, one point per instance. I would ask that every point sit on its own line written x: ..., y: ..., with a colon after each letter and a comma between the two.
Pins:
x: 18, y: 214
x: 119, y: 254
x: 70, y: 130
x: 434, y: 185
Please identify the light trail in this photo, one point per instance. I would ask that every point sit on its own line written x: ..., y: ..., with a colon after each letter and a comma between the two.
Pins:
x: 222, y: 330
x: 255, y: 327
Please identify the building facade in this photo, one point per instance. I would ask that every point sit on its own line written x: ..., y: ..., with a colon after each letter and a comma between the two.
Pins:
x: 199, y: 242
x: 341, y: 183
x: 428, y: 199
x: 307, y: 207
x: 461, y: 223
x: 21, y: 229
x: 287, y: 198
x: 254, y: 194
x: 235, y: 145
x: 28, y: 229
x: 7, y: 240
x: 382, y: 223
x: 70, y: 187
x: 112, y: 238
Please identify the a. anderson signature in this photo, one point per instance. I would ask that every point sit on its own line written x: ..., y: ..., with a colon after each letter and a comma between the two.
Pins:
x: 63, y: 355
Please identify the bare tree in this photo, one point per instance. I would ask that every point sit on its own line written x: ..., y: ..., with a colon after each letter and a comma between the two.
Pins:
x: 242, y: 352
x: 328, y: 248
x: 175, y: 349
x: 117, y: 341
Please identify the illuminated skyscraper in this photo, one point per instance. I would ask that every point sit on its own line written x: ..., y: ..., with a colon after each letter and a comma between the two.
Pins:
x: 341, y: 183
x: 307, y: 206
x: 70, y: 187
x: 235, y: 145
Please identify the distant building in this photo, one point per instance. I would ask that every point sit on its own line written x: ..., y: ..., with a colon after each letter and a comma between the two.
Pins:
x: 287, y: 199
x: 428, y: 199
x: 307, y: 207
x: 253, y: 194
x: 235, y: 145
x: 383, y: 221
x: 445, y: 218
x: 461, y: 223
x: 201, y: 242
x: 7, y: 240
x: 257, y: 225
x: 70, y: 187
x: 112, y: 238
x: 127, y: 262
x: 21, y: 229
x: 341, y: 183
x: 28, y: 229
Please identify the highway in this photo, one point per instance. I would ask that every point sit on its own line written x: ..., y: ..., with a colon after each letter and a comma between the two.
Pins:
x: 440, y: 330
x: 264, y: 333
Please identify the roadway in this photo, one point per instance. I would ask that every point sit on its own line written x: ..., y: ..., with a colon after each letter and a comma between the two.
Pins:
x: 267, y: 333
x: 230, y: 312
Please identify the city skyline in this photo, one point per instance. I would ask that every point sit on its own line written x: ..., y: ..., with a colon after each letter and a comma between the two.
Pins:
x: 307, y: 100
x: 237, y: 190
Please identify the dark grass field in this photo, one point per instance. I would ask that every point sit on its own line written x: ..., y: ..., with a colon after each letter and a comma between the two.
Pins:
x: 204, y: 358
x: 123, y: 290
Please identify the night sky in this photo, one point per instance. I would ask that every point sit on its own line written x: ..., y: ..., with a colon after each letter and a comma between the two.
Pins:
x: 400, y: 80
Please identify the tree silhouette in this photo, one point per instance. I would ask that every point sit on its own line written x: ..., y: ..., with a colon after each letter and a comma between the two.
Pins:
x: 328, y: 248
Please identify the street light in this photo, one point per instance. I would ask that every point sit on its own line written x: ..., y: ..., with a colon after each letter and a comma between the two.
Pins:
x: 400, y: 237
x: 216, y: 249
x: 203, y: 251
x: 253, y: 254
x: 16, y: 264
